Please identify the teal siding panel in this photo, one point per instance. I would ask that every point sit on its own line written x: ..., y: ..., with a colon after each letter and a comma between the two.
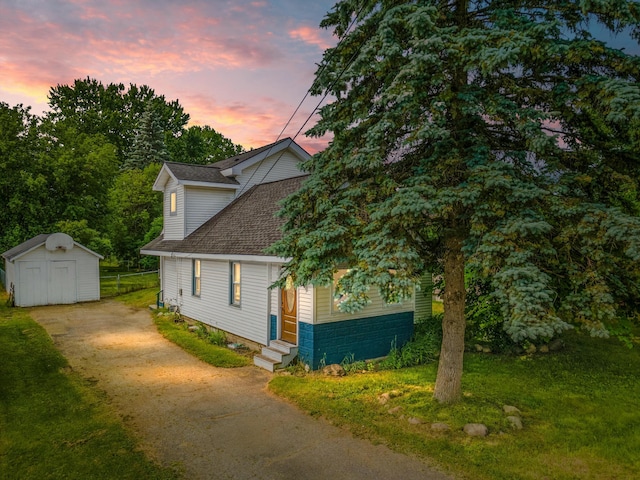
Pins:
x: 273, y: 329
x: 359, y: 339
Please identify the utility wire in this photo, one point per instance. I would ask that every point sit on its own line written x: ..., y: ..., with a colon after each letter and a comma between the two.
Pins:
x: 322, y: 68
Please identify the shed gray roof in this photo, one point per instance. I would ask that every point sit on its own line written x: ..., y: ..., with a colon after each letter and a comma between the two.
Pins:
x: 198, y: 173
x: 26, y: 246
x: 236, y: 159
x: 247, y: 226
x: 35, y: 242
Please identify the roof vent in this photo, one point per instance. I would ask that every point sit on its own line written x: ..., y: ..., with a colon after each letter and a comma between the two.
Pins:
x: 59, y: 242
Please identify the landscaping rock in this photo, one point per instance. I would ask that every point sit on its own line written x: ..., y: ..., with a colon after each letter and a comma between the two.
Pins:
x: 193, y: 328
x: 334, y: 370
x: 478, y: 347
x: 440, y: 427
x: 486, y: 350
x: 544, y: 349
x: 515, y: 422
x: 384, y: 398
x: 555, y: 345
x: 510, y: 409
x: 531, y: 349
x: 414, y: 421
x: 395, y: 410
x: 476, y: 430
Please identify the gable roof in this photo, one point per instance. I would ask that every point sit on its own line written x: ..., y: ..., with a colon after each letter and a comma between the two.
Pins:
x: 35, y: 242
x: 234, y: 165
x: 198, y: 173
x: 247, y: 226
x: 191, y: 174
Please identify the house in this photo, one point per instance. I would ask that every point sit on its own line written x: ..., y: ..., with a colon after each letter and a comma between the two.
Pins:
x: 218, y: 221
x: 52, y: 269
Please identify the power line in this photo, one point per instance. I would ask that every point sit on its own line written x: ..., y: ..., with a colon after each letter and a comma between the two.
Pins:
x: 322, y: 68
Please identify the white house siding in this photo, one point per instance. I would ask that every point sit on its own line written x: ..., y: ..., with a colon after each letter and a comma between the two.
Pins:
x: 305, y: 304
x: 169, y: 281
x: 58, y: 276
x: 10, y: 275
x: 204, y: 203
x: 286, y: 167
x: 423, y: 298
x: 377, y: 307
x: 174, y: 225
x: 249, y: 320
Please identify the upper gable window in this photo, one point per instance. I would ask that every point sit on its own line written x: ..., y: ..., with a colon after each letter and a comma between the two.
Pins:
x: 173, y: 203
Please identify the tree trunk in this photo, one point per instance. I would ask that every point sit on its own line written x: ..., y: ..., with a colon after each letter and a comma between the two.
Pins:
x: 448, y: 387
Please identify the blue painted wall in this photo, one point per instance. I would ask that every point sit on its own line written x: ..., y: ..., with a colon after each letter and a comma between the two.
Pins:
x: 273, y: 329
x: 363, y: 338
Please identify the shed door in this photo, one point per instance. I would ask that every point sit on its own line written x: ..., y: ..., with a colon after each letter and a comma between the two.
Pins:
x: 289, y: 330
x: 62, y: 282
x: 31, y: 288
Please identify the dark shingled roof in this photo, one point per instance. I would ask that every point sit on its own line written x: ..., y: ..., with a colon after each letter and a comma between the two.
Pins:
x: 26, y: 246
x: 236, y: 159
x: 247, y: 226
x: 198, y: 173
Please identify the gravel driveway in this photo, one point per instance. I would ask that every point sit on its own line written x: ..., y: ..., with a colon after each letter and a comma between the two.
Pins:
x: 216, y: 423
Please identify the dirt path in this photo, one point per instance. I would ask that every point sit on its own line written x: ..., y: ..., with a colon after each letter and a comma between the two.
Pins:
x: 216, y: 423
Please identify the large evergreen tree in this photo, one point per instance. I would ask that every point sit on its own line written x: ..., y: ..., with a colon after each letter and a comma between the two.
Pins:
x: 498, y: 134
x: 148, y: 144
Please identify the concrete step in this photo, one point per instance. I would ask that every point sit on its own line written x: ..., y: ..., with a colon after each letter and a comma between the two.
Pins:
x: 282, y: 346
x: 272, y: 354
x: 263, y: 362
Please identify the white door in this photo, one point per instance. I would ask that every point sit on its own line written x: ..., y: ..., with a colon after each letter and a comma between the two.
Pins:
x: 62, y: 282
x: 32, y: 284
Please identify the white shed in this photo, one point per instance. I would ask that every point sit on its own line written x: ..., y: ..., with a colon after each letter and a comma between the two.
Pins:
x: 52, y: 269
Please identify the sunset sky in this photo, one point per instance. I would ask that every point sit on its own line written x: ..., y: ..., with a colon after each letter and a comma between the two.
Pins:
x: 240, y: 66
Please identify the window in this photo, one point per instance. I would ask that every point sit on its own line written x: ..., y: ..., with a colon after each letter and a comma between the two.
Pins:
x: 234, y: 297
x: 195, y: 288
x: 173, y: 203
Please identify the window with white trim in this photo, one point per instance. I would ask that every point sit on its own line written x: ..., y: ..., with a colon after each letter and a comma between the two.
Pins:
x: 196, y: 283
x: 234, y: 284
x: 173, y: 203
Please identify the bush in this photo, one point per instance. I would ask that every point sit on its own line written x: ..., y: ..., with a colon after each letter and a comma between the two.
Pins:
x: 423, y: 348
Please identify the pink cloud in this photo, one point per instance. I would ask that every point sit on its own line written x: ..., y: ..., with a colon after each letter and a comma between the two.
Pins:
x: 312, y: 36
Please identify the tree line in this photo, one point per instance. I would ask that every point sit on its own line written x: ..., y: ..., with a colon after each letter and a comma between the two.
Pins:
x: 86, y: 167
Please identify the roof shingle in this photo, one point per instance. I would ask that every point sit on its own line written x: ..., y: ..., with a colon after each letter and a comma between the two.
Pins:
x: 247, y: 226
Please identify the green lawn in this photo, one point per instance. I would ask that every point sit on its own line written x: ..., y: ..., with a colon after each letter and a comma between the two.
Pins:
x: 54, y: 424
x: 115, y: 282
x: 580, y: 409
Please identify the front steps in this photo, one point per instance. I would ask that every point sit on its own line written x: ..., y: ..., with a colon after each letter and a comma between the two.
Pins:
x: 277, y: 355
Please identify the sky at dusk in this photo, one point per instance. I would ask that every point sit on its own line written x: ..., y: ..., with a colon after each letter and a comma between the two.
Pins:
x: 240, y: 66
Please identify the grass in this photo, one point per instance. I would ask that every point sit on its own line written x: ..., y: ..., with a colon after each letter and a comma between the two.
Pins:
x: 197, y: 346
x: 54, y: 424
x: 580, y: 411
x: 177, y: 333
x: 128, y: 281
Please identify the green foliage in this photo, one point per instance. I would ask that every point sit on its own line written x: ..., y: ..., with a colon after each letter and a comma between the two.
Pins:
x: 89, y: 107
x: 148, y: 144
x: 423, y: 348
x: 502, y: 126
x: 56, y: 425
x: 202, y: 348
x: 201, y: 145
x: 134, y: 207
